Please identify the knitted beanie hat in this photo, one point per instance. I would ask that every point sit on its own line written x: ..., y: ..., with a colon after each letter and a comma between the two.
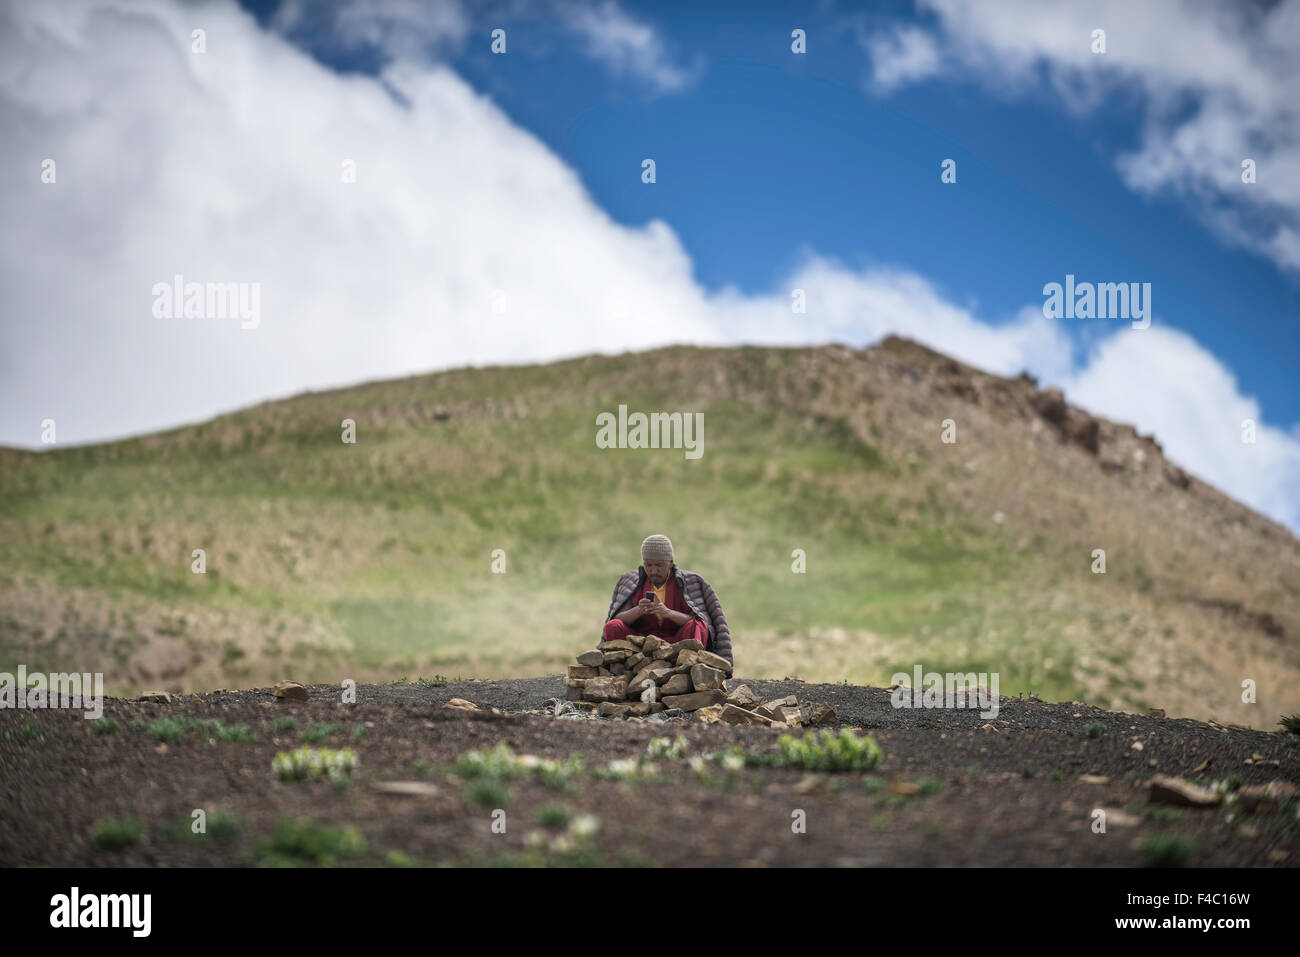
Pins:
x: 657, y: 548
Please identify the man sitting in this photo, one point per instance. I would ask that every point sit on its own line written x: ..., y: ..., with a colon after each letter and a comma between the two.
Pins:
x: 661, y: 599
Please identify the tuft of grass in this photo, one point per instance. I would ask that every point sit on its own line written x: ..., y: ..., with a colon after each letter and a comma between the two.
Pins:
x: 1095, y: 730
x: 29, y: 731
x: 306, y: 842
x: 360, y: 731
x: 305, y: 763
x: 1166, y: 850
x: 827, y: 751
x: 489, y: 793
x: 1291, y: 722
x: 105, y: 726
x: 929, y: 785
x: 112, y: 834
x: 163, y: 729
x: 216, y: 729
x: 553, y: 816
x: 283, y: 724
x: 437, y: 681
x: 318, y: 731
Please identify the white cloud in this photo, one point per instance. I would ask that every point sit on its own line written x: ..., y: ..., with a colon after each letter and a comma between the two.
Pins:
x: 225, y: 166
x: 1171, y: 386
x: 402, y: 29
x: 421, y: 31
x: 627, y: 46
x: 1217, y: 82
x: 901, y: 55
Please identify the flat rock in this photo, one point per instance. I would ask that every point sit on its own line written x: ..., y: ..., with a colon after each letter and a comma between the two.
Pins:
x: 713, y: 661
x: 743, y: 697
x: 708, y: 715
x: 818, y: 714
x: 734, y: 715
x: 1265, y: 797
x: 676, y: 684
x: 406, y: 788
x: 792, y: 716
x: 686, y: 657
x: 695, y: 700
x: 690, y: 644
x: 294, y: 690
x: 604, y: 689
x: 583, y: 671
x: 592, y: 659
x: 651, y: 644
x: 1167, y: 790
x: 618, y: 644
x: 461, y: 704
x: 158, y: 697
x: 704, y: 678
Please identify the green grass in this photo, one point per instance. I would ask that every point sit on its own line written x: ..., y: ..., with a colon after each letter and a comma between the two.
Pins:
x: 488, y: 793
x: 431, y: 504
x: 1166, y: 850
x: 409, y: 517
x: 112, y: 834
x: 319, y: 731
x: 553, y: 816
x: 105, y: 726
x: 302, y: 842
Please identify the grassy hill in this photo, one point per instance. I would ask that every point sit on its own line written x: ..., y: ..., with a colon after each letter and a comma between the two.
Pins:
x: 373, y: 560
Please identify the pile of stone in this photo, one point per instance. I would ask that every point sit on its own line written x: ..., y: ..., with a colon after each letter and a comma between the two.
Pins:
x: 644, y: 675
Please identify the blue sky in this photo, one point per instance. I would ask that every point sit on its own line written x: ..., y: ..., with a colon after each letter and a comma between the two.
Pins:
x: 767, y: 152
x: 497, y: 212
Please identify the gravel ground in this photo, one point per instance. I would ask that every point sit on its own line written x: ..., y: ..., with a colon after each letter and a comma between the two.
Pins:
x: 951, y: 789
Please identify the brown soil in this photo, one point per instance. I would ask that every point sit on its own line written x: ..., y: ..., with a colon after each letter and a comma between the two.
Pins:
x: 1009, y: 796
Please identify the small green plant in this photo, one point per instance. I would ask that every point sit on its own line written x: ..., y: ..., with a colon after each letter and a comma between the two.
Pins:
x: 489, y: 793
x: 306, y: 763
x: 420, y: 768
x: 437, y: 681
x: 501, y: 763
x: 318, y: 731
x: 929, y: 786
x: 306, y: 842
x: 1057, y: 774
x: 280, y: 725
x: 626, y: 769
x: 360, y: 731
x: 111, y: 834
x: 827, y: 751
x: 1291, y: 722
x: 217, y: 730
x: 1095, y: 730
x: 498, y: 762
x: 1166, y: 850
x: 553, y: 816
x: 1164, y: 815
x: 105, y: 726
x: 664, y: 748
x: 163, y: 729
x: 220, y: 827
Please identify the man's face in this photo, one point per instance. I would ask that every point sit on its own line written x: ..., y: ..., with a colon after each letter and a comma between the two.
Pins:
x: 657, y: 571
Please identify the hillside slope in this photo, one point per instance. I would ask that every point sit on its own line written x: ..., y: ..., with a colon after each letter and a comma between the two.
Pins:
x: 327, y: 560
